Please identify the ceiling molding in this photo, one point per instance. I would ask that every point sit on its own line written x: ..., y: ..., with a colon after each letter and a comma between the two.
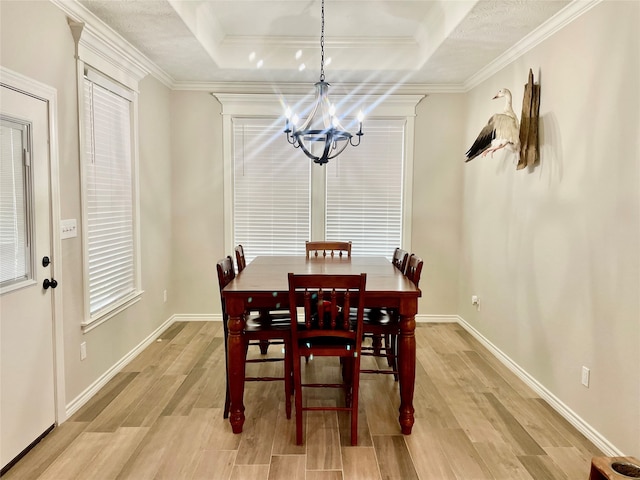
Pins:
x: 307, y: 88
x: 537, y: 36
x: 106, y: 35
x: 78, y: 12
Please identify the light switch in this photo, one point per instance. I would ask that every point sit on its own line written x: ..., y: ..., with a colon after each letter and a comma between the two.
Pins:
x: 68, y: 228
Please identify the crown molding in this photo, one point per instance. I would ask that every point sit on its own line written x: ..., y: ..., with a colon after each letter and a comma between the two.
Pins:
x: 537, y: 36
x: 118, y: 47
x: 307, y: 88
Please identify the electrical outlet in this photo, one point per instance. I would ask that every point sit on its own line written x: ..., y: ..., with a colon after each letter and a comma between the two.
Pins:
x: 83, y: 350
x: 164, y: 295
x: 586, y: 373
x: 475, y: 301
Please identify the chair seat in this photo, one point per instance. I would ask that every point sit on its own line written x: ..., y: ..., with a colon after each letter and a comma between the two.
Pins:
x: 377, y: 316
x: 256, y: 323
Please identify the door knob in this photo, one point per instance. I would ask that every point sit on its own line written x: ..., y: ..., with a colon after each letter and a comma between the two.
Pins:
x: 49, y: 283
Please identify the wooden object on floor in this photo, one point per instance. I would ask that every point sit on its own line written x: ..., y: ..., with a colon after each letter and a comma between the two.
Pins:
x: 263, y: 284
x: 256, y: 329
x: 529, y: 143
x: 330, y: 249
x: 327, y: 331
x: 614, y: 468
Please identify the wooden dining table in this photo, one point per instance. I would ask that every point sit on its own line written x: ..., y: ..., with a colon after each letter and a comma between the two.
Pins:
x: 263, y: 284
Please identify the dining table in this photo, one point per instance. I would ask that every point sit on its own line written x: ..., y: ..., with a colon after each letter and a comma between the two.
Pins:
x: 263, y: 284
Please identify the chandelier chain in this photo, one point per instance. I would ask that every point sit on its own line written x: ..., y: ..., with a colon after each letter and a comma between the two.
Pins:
x: 322, y: 46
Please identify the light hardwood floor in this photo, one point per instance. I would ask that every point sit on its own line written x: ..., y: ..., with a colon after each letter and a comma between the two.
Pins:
x: 161, y: 418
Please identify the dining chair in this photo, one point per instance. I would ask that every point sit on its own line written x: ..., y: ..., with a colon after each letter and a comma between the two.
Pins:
x: 325, y: 330
x: 257, y: 329
x: 282, y: 314
x: 384, y: 324
x: 241, y: 262
x: 319, y: 248
x: 414, y: 269
x: 400, y: 258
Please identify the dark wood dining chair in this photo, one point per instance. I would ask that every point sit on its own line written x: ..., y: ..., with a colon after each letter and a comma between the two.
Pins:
x: 272, y: 316
x: 414, y: 269
x: 374, y: 316
x: 327, y: 330
x: 257, y: 329
x: 317, y: 248
x: 241, y: 262
x: 385, y: 324
x: 400, y: 259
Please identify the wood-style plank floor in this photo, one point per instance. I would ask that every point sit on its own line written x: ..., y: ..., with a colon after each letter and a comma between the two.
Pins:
x: 161, y: 418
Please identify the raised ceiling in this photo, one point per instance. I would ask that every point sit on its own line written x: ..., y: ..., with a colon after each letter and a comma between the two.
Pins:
x: 426, y: 42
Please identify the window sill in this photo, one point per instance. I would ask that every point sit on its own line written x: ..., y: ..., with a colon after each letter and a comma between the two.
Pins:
x: 114, y: 310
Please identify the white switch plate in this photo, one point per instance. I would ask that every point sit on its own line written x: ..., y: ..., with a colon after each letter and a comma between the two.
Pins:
x: 68, y: 228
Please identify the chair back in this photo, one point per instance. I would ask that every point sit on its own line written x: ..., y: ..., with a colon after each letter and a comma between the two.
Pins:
x: 226, y: 273
x: 329, y: 303
x: 328, y: 248
x: 414, y: 269
x: 400, y: 258
x: 240, y: 260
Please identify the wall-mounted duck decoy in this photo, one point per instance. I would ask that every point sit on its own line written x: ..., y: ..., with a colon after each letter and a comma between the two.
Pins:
x: 501, y: 131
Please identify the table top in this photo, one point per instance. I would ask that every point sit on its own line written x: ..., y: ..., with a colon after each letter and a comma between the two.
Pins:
x: 270, y: 273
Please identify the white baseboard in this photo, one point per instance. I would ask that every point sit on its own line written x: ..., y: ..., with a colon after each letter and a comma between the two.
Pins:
x: 90, y: 391
x: 572, y: 417
x: 436, y: 318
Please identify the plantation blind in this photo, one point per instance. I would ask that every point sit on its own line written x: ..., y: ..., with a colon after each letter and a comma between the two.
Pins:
x: 365, y: 188
x: 272, y: 193
x: 108, y: 192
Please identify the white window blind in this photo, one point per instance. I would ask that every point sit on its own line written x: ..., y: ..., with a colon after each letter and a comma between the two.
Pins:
x: 109, y: 194
x: 365, y: 189
x: 271, y: 208
x: 15, y: 252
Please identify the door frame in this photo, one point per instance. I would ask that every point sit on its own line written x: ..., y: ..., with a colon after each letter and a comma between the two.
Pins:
x: 41, y: 91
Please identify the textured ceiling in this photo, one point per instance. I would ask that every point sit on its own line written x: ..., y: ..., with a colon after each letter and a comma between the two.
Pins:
x: 443, y: 42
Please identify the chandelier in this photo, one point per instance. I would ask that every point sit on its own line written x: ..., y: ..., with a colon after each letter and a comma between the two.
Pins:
x: 321, y: 137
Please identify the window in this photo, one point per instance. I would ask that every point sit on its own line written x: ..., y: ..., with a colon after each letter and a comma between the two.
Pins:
x: 111, y: 262
x: 272, y: 196
x: 15, y: 187
x: 364, y: 191
x: 360, y: 198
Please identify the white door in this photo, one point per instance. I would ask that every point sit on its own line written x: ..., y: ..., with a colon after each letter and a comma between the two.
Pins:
x: 27, y: 402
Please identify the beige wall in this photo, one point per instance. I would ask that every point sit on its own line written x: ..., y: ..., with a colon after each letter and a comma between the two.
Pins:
x: 197, y: 199
x: 437, y: 200
x: 36, y: 42
x: 553, y: 252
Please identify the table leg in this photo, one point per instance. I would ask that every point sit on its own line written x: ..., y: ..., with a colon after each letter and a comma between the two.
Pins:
x: 236, y: 365
x: 407, y: 373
